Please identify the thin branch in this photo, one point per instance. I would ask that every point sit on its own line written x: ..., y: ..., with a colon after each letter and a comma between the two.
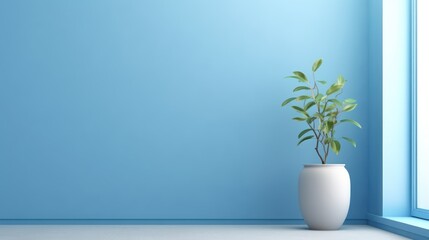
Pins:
x: 327, y: 152
x: 317, y: 142
x: 315, y: 84
x: 322, y: 141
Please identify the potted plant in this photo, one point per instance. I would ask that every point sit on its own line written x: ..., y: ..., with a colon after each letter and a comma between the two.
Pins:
x: 324, y: 189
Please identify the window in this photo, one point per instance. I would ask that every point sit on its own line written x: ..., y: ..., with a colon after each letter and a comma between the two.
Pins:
x: 420, y: 102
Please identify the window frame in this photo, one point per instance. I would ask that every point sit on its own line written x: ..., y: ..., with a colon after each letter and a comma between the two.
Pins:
x: 415, y: 211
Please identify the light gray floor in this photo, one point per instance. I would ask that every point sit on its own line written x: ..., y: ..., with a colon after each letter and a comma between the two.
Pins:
x: 186, y: 232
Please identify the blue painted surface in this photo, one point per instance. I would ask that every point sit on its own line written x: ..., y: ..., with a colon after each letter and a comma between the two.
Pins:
x: 413, y: 100
x: 168, y: 109
x: 410, y: 227
x: 415, y: 211
x: 389, y: 165
x: 396, y: 108
x: 375, y: 116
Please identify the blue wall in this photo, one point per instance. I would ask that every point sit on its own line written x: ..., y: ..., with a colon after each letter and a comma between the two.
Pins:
x: 375, y: 122
x: 168, y: 109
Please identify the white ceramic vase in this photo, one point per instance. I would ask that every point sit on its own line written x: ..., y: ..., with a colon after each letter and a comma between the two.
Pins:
x: 324, y: 195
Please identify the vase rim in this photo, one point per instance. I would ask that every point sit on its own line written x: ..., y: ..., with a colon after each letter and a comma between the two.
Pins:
x: 324, y: 165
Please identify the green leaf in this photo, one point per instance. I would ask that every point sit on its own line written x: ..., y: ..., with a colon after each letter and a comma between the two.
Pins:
x: 352, y: 121
x: 305, y: 139
x: 317, y: 64
x: 334, y: 88
x: 301, y: 88
x: 322, y: 82
x: 333, y: 119
x: 300, y: 110
x: 333, y: 146
x: 341, y: 80
x: 299, y: 119
x: 300, y: 76
x: 295, y: 77
x: 325, y: 129
x: 319, y: 97
x: 327, y: 140
x: 351, y: 141
x: 304, y: 132
x: 333, y: 114
x: 336, y: 146
x: 338, y: 103
x: 330, y: 108
x: 319, y: 115
x: 330, y: 124
x: 303, y: 97
x: 288, y: 101
x: 349, y: 100
x: 309, y: 105
x: 328, y: 127
x: 349, y: 107
x: 310, y: 120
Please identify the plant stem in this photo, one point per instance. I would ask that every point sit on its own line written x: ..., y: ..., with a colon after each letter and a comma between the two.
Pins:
x: 315, y: 85
x: 317, y: 133
x: 317, y: 143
